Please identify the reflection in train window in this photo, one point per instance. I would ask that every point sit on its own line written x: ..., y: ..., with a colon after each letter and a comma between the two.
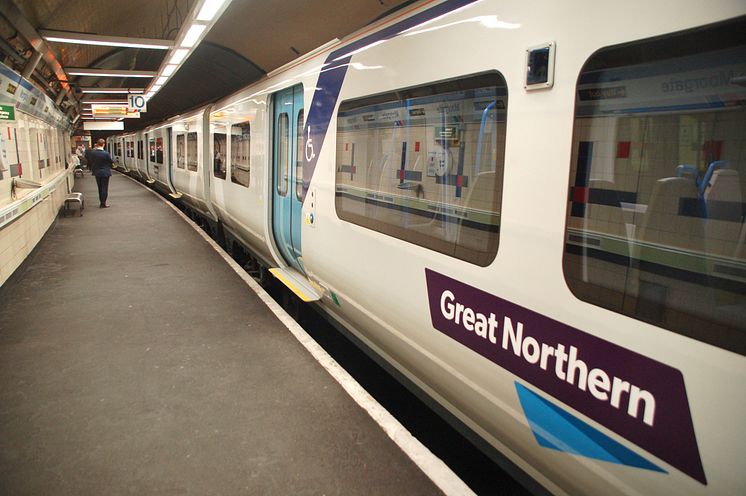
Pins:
x: 655, y: 225
x: 192, y: 153
x: 241, y: 153
x: 218, y: 152
x: 283, y: 153
x: 181, y: 151
x: 159, y: 150
x: 299, y: 159
x: 425, y: 165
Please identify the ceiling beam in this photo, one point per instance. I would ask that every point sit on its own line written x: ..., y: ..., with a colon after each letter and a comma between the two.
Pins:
x: 95, y: 89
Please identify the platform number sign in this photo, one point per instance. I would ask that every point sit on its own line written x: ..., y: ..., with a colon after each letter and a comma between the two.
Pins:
x: 136, y: 103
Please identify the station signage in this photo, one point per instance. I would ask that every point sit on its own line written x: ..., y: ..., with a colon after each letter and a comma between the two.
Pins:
x: 7, y: 113
x: 137, y: 103
x: 114, y: 111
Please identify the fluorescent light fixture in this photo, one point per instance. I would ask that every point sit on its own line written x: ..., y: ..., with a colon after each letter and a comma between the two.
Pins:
x: 177, y: 57
x: 161, y: 80
x: 155, y: 87
x: 209, y: 9
x: 150, y: 95
x: 112, y: 90
x: 169, y: 69
x: 101, y: 101
x: 95, y: 39
x: 101, y: 106
x: 191, y: 37
x: 81, y: 71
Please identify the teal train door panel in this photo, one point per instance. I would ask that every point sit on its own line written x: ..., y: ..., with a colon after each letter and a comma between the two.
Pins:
x: 287, y: 173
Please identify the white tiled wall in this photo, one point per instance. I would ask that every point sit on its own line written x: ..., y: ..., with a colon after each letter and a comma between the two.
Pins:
x: 18, y: 238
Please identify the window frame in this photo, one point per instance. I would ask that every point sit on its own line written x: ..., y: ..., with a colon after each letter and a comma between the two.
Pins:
x: 232, y: 162
x: 195, y: 141
x: 221, y: 172
x: 469, y: 85
x: 655, y: 278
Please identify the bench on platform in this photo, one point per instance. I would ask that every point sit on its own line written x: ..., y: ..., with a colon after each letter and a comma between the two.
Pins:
x: 74, y: 201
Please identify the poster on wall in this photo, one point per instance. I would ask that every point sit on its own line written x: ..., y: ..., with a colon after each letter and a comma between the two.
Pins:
x: 9, y: 163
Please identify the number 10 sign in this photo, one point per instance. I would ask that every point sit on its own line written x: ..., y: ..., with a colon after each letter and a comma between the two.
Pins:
x: 136, y: 102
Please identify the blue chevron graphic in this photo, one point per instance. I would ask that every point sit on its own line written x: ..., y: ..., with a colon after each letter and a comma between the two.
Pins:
x: 557, y: 429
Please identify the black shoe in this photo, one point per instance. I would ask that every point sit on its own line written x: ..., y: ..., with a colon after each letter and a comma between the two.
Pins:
x: 103, y: 205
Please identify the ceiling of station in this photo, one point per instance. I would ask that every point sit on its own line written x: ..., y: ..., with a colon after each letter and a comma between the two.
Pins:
x: 251, y: 38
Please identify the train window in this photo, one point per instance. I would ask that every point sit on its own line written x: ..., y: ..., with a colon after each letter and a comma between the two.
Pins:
x: 192, y: 158
x: 140, y: 154
x: 151, y: 147
x: 181, y: 151
x: 159, y: 150
x: 283, y: 153
x: 169, y: 140
x: 425, y: 165
x: 218, y: 152
x: 655, y: 224
x: 241, y: 153
x: 299, y: 159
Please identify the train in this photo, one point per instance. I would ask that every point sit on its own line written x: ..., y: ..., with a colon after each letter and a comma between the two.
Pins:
x: 532, y: 211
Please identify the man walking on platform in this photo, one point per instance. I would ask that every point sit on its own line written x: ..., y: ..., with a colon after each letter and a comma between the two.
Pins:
x: 101, y: 169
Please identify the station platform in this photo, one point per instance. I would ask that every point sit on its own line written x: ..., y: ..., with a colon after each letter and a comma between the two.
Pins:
x: 135, y: 360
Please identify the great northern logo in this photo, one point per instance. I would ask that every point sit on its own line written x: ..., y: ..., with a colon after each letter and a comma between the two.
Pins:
x: 637, y: 397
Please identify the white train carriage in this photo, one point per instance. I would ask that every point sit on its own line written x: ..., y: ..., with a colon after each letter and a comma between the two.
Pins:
x: 114, y: 147
x: 189, y: 177
x: 133, y: 154
x: 128, y: 152
x: 137, y: 162
x: 539, y: 221
x: 239, y: 186
x: 157, y: 139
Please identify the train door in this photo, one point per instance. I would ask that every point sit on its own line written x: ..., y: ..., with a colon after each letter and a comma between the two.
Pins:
x: 168, y: 160
x: 150, y: 157
x: 288, y: 173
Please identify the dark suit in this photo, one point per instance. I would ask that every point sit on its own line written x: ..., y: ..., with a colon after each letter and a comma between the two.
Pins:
x: 101, y: 169
x: 87, y: 157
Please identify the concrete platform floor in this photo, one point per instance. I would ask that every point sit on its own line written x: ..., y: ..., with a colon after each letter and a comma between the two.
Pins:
x: 133, y: 360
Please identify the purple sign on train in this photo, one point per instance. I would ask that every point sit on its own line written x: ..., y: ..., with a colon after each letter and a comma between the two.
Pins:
x: 637, y: 397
